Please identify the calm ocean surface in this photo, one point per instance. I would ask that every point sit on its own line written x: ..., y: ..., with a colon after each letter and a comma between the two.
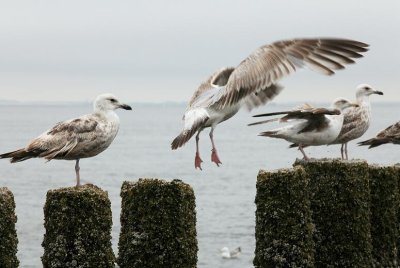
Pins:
x: 224, y: 195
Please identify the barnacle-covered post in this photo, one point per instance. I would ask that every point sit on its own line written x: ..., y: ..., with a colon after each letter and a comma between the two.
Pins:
x: 158, y: 225
x: 283, y: 219
x: 340, y: 204
x: 384, y: 182
x: 8, y: 233
x: 78, y: 228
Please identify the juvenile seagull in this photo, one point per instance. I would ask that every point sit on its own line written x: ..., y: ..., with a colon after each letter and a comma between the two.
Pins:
x: 309, y: 126
x: 254, y: 82
x: 390, y: 134
x: 78, y: 138
x: 356, y: 119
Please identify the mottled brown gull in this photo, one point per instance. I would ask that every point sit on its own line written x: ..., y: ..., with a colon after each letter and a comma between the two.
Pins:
x: 77, y: 138
x: 391, y: 134
x: 309, y: 126
x: 356, y: 119
x: 254, y: 82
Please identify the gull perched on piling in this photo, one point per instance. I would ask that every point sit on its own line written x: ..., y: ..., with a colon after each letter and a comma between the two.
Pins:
x: 391, y: 134
x: 356, y: 119
x: 254, y: 82
x: 309, y: 126
x: 82, y: 137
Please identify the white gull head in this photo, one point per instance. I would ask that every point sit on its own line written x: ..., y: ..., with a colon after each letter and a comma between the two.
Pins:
x: 365, y: 90
x: 342, y: 104
x: 108, y: 102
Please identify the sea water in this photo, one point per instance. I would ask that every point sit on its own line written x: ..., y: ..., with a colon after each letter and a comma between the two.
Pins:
x: 224, y: 195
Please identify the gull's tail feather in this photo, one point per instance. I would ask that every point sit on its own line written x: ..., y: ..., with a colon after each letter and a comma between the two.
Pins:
x: 272, y: 133
x: 374, y: 142
x: 19, y: 155
x: 263, y: 122
x: 186, y: 134
x: 293, y: 145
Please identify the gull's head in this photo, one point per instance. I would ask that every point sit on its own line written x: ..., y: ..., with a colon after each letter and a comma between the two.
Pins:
x: 342, y: 104
x: 108, y: 102
x: 364, y: 90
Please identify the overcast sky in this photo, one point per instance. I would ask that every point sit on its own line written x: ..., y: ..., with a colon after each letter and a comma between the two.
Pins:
x: 156, y: 51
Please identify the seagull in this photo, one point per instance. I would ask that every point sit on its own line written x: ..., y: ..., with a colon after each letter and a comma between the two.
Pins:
x: 226, y: 254
x: 356, y: 119
x: 391, y: 134
x: 309, y: 126
x: 254, y: 82
x: 82, y: 137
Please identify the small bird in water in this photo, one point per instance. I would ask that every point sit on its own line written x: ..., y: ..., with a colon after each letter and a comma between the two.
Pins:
x: 82, y: 137
x: 254, y: 82
x: 309, y: 126
x: 226, y: 254
x: 391, y: 134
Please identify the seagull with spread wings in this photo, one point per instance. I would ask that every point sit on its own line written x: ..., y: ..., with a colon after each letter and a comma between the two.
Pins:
x: 77, y: 138
x: 254, y: 82
x: 309, y: 126
x: 356, y: 119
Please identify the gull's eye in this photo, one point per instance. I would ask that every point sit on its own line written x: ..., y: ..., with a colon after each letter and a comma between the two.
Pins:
x: 113, y: 100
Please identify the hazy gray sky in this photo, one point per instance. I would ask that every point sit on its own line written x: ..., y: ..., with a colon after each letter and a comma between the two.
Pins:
x: 161, y: 50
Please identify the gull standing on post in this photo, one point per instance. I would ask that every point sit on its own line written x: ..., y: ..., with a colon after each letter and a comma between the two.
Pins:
x: 78, y: 138
x: 356, y: 119
x: 309, y: 126
x: 391, y: 134
x: 254, y: 82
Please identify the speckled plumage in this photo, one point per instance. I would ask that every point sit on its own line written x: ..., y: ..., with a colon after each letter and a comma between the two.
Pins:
x: 391, y: 134
x: 356, y: 119
x: 309, y: 126
x: 73, y: 139
x: 254, y: 81
x: 355, y: 123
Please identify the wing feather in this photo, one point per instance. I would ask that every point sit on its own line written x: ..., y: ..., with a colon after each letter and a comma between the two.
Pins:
x: 270, y: 63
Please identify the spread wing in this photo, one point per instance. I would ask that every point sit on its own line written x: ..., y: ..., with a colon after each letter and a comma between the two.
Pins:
x: 315, y: 117
x: 208, y: 91
x: 269, y: 63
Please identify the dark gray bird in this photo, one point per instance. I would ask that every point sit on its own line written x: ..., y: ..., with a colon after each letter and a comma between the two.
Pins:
x: 254, y: 82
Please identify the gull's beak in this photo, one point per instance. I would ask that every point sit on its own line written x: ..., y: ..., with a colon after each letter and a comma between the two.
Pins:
x: 125, y: 107
x: 378, y: 92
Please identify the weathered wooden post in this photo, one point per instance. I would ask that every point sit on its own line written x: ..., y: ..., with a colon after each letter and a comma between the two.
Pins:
x: 78, y: 228
x: 384, y: 183
x: 283, y: 220
x: 158, y: 225
x: 8, y: 233
x: 340, y: 204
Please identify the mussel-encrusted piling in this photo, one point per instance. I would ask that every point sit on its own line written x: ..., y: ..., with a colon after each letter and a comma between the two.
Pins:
x: 158, y: 225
